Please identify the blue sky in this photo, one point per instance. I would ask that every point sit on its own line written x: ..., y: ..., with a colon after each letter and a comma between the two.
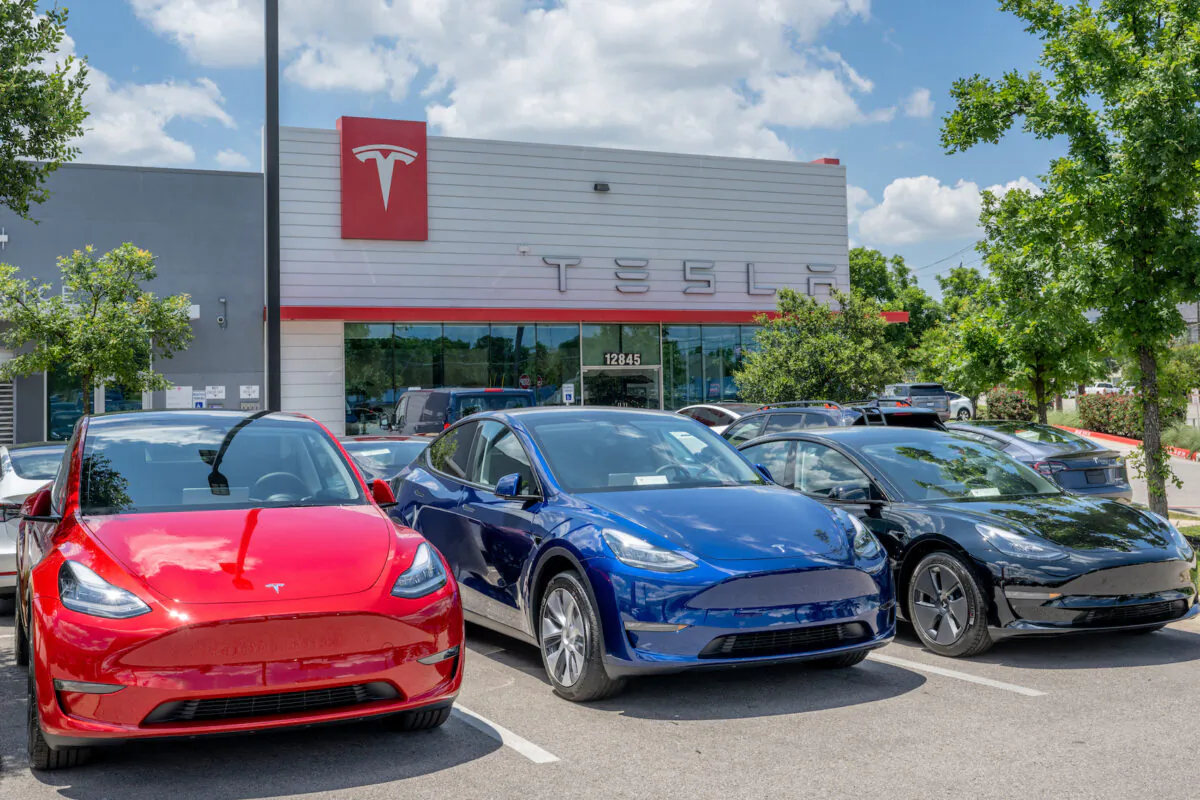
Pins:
x: 180, y: 83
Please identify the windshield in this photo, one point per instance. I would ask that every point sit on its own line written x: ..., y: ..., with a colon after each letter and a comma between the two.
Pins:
x: 1043, y: 434
x: 385, y: 455
x: 609, y: 451
x: 955, y: 469
x: 36, y: 463
x: 465, y: 405
x: 927, y: 391
x: 191, y: 463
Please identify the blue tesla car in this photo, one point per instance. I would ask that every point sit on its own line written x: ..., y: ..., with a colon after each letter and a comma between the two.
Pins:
x: 624, y: 542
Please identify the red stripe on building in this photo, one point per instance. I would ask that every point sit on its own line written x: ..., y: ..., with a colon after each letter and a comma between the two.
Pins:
x: 426, y: 314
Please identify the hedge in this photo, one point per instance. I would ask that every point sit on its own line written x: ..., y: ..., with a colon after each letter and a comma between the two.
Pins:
x: 1005, y: 403
x: 1116, y: 414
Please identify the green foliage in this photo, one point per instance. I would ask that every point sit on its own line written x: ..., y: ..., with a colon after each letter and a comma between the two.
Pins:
x: 1116, y: 414
x: 1005, y: 403
x: 1182, y: 435
x: 1121, y: 86
x: 102, y: 326
x: 967, y: 353
x: 41, y: 104
x: 813, y: 352
x: 889, y: 282
x: 958, y: 286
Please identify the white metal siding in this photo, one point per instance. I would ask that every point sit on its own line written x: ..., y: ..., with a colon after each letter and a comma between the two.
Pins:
x: 487, y: 199
x: 312, y: 365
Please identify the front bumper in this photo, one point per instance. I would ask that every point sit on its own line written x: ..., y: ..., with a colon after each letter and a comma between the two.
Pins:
x: 248, y: 672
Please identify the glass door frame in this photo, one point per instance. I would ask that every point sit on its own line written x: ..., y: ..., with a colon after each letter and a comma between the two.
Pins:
x: 655, y: 368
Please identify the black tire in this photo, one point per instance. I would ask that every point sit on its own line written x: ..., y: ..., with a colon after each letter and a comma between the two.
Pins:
x: 423, y: 719
x: 962, y: 612
x: 964, y: 414
x: 593, y: 682
x: 841, y: 661
x: 41, y: 755
x: 20, y: 641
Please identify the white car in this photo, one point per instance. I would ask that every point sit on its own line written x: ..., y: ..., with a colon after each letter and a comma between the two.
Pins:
x: 960, y: 406
x: 718, y: 416
x: 1101, y: 387
x: 24, y: 469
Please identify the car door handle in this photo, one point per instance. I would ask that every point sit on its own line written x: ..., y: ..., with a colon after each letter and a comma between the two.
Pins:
x: 419, y: 492
x: 469, y: 509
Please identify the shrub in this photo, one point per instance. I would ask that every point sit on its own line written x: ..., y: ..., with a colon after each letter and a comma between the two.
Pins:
x: 1005, y: 403
x: 1117, y: 414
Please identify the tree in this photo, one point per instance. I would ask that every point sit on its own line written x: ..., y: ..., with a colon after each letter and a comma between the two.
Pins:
x: 1121, y: 89
x: 41, y: 105
x: 1047, y: 344
x: 967, y: 352
x: 958, y: 286
x: 889, y: 282
x: 810, y: 351
x: 102, y: 326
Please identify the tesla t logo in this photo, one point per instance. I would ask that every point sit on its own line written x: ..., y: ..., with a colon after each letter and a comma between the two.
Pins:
x: 276, y: 586
x: 384, y: 179
x: 385, y: 157
x: 782, y: 548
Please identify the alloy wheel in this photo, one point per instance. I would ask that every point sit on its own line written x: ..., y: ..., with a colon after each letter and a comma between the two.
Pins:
x: 940, y: 604
x: 964, y: 414
x: 564, y: 637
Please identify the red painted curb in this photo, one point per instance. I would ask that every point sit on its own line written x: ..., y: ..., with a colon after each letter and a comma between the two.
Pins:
x: 1178, y: 452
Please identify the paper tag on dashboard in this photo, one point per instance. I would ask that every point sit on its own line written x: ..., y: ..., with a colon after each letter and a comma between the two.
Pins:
x: 650, y: 480
x: 991, y: 491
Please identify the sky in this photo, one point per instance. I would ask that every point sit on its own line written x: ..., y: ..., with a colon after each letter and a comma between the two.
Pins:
x: 179, y: 83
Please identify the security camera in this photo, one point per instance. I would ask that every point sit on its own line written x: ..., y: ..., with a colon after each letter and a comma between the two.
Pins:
x: 221, y: 320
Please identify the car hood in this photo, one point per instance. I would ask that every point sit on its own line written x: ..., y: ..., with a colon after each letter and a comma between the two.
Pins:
x: 250, y: 555
x: 1078, y: 523
x: 731, y: 523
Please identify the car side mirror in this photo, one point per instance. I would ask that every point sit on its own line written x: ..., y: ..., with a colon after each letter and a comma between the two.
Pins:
x: 513, y: 487
x: 855, y: 494
x: 766, y: 473
x: 382, y: 493
x: 37, y: 507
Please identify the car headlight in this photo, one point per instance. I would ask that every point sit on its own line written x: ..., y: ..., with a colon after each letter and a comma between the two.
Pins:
x: 426, y: 575
x: 84, y: 591
x: 637, y: 552
x: 1180, y: 540
x: 1015, y: 544
x: 865, y: 544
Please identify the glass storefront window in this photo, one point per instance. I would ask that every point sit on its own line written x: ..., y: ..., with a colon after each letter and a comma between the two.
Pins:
x: 555, y: 362
x: 683, y: 372
x: 722, y: 347
x: 627, y: 340
x: 64, y: 405
x: 370, y: 375
x: 417, y: 350
x: 465, y: 353
x: 510, y: 355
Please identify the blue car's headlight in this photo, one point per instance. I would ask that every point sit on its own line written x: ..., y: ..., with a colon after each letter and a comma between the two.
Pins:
x: 1178, y: 538
x: 639, y: 553
x: 866, y: 546
x: 1015, y: 544
x: 423, y: 577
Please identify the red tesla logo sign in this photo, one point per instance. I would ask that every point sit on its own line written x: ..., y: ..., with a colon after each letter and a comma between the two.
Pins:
x: 384, y: 179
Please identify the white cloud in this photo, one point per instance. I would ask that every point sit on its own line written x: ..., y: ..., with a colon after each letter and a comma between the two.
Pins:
x: 922, y: 209
x: 232, y: 159
x: 919, y: 104
x: 857, y: 199
x: 1023, y: 183
x: 127, y: 121
x: 679, y: 75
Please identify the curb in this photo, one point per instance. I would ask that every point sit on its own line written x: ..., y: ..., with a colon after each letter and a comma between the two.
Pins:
x: 1178, y: 452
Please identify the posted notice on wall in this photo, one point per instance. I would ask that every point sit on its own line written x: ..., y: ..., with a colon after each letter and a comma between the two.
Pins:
x: 179, y: 397
x: 197, y: 398
x: 214, y: 392
x: 568, y: 393
x: 248, y: 392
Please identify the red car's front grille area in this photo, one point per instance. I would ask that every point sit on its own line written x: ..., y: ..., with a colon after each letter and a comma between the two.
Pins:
x: 266, y: 705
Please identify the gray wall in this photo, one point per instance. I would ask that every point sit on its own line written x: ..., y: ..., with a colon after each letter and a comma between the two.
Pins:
x: 206, y: 229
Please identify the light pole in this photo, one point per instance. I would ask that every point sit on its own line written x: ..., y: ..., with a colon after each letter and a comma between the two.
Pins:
x: 274, y: 397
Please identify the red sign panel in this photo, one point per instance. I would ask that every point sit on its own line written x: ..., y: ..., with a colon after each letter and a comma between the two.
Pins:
x: 385, y: 192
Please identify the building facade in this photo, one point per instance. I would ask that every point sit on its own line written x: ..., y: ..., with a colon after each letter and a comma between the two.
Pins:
x: 589, y: 275
x: 206, y: 230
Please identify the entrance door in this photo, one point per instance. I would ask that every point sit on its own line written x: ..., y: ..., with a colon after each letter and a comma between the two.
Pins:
x: 624, y: 387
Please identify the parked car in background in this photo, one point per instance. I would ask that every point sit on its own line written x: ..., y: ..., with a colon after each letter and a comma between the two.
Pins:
x: 1077, y: 464
x: 982, y: 546
x: 624, y: 542
x: 961, y: 407
x: 923, y: 395
x: 382, y: 457
x: 435, y: 410
x: 1101, y: 387
x: 718, y: 416
x: 803, y: 414
x: 24, y: 468
x: 206, y: 572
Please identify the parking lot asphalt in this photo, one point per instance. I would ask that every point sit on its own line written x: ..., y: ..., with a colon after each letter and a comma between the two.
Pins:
x: 1112, y: 716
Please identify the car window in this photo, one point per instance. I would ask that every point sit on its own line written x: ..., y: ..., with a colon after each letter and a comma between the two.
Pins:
x: 467, y: 404
x: 979, y: 437
x: 35, y: 463
x: 782, y: 423
x: 499, y: 453
x: 951, y: 468
x: 777, y: 458
x: 450, y: 453
x: 707, y: 416
x: 58, y: 491
x: 820, y: 468
x: 390, y: 455
x: 908, y: 419
x: 745, y: 430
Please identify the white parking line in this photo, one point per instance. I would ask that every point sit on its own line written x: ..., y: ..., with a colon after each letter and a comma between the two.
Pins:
x: 509, y: 739
x: 950, y: 673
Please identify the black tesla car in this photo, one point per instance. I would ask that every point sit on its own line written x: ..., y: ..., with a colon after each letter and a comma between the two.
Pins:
x: 984, y: 547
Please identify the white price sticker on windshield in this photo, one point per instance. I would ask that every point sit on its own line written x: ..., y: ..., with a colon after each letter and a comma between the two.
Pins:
x: 692, y: 443
x: 991, y: 491
x: 650, y: 480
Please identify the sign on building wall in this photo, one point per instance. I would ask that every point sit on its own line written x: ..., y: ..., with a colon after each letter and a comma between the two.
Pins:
x: 384, y: 179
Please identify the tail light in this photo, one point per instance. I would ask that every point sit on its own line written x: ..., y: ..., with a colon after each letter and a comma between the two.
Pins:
x: 1049, y: 468
x: 445, y: 426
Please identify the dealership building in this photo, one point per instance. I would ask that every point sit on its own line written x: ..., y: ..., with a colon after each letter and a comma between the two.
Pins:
x: 588, y: 275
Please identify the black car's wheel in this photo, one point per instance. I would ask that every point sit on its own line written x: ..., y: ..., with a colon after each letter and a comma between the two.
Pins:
x: 571, y: 642
x: 947, y: 607
x: 842, y: 661
x: 964, y: 414
x: 41, y: 756
x: 423, y: 719
x: 20, y: 640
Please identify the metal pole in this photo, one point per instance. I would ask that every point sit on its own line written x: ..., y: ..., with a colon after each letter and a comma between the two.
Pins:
x: 274, y: 395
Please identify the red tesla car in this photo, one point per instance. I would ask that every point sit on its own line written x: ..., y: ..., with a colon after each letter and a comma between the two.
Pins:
x: 196, y: 572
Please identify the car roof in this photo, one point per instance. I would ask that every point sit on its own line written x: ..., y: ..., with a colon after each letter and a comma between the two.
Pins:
x: 121, y: 418
x: 32, y: 445
x: 383, y: 437
x: 536, y: 412
x: 860, y: 435
x: 479, y: 389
